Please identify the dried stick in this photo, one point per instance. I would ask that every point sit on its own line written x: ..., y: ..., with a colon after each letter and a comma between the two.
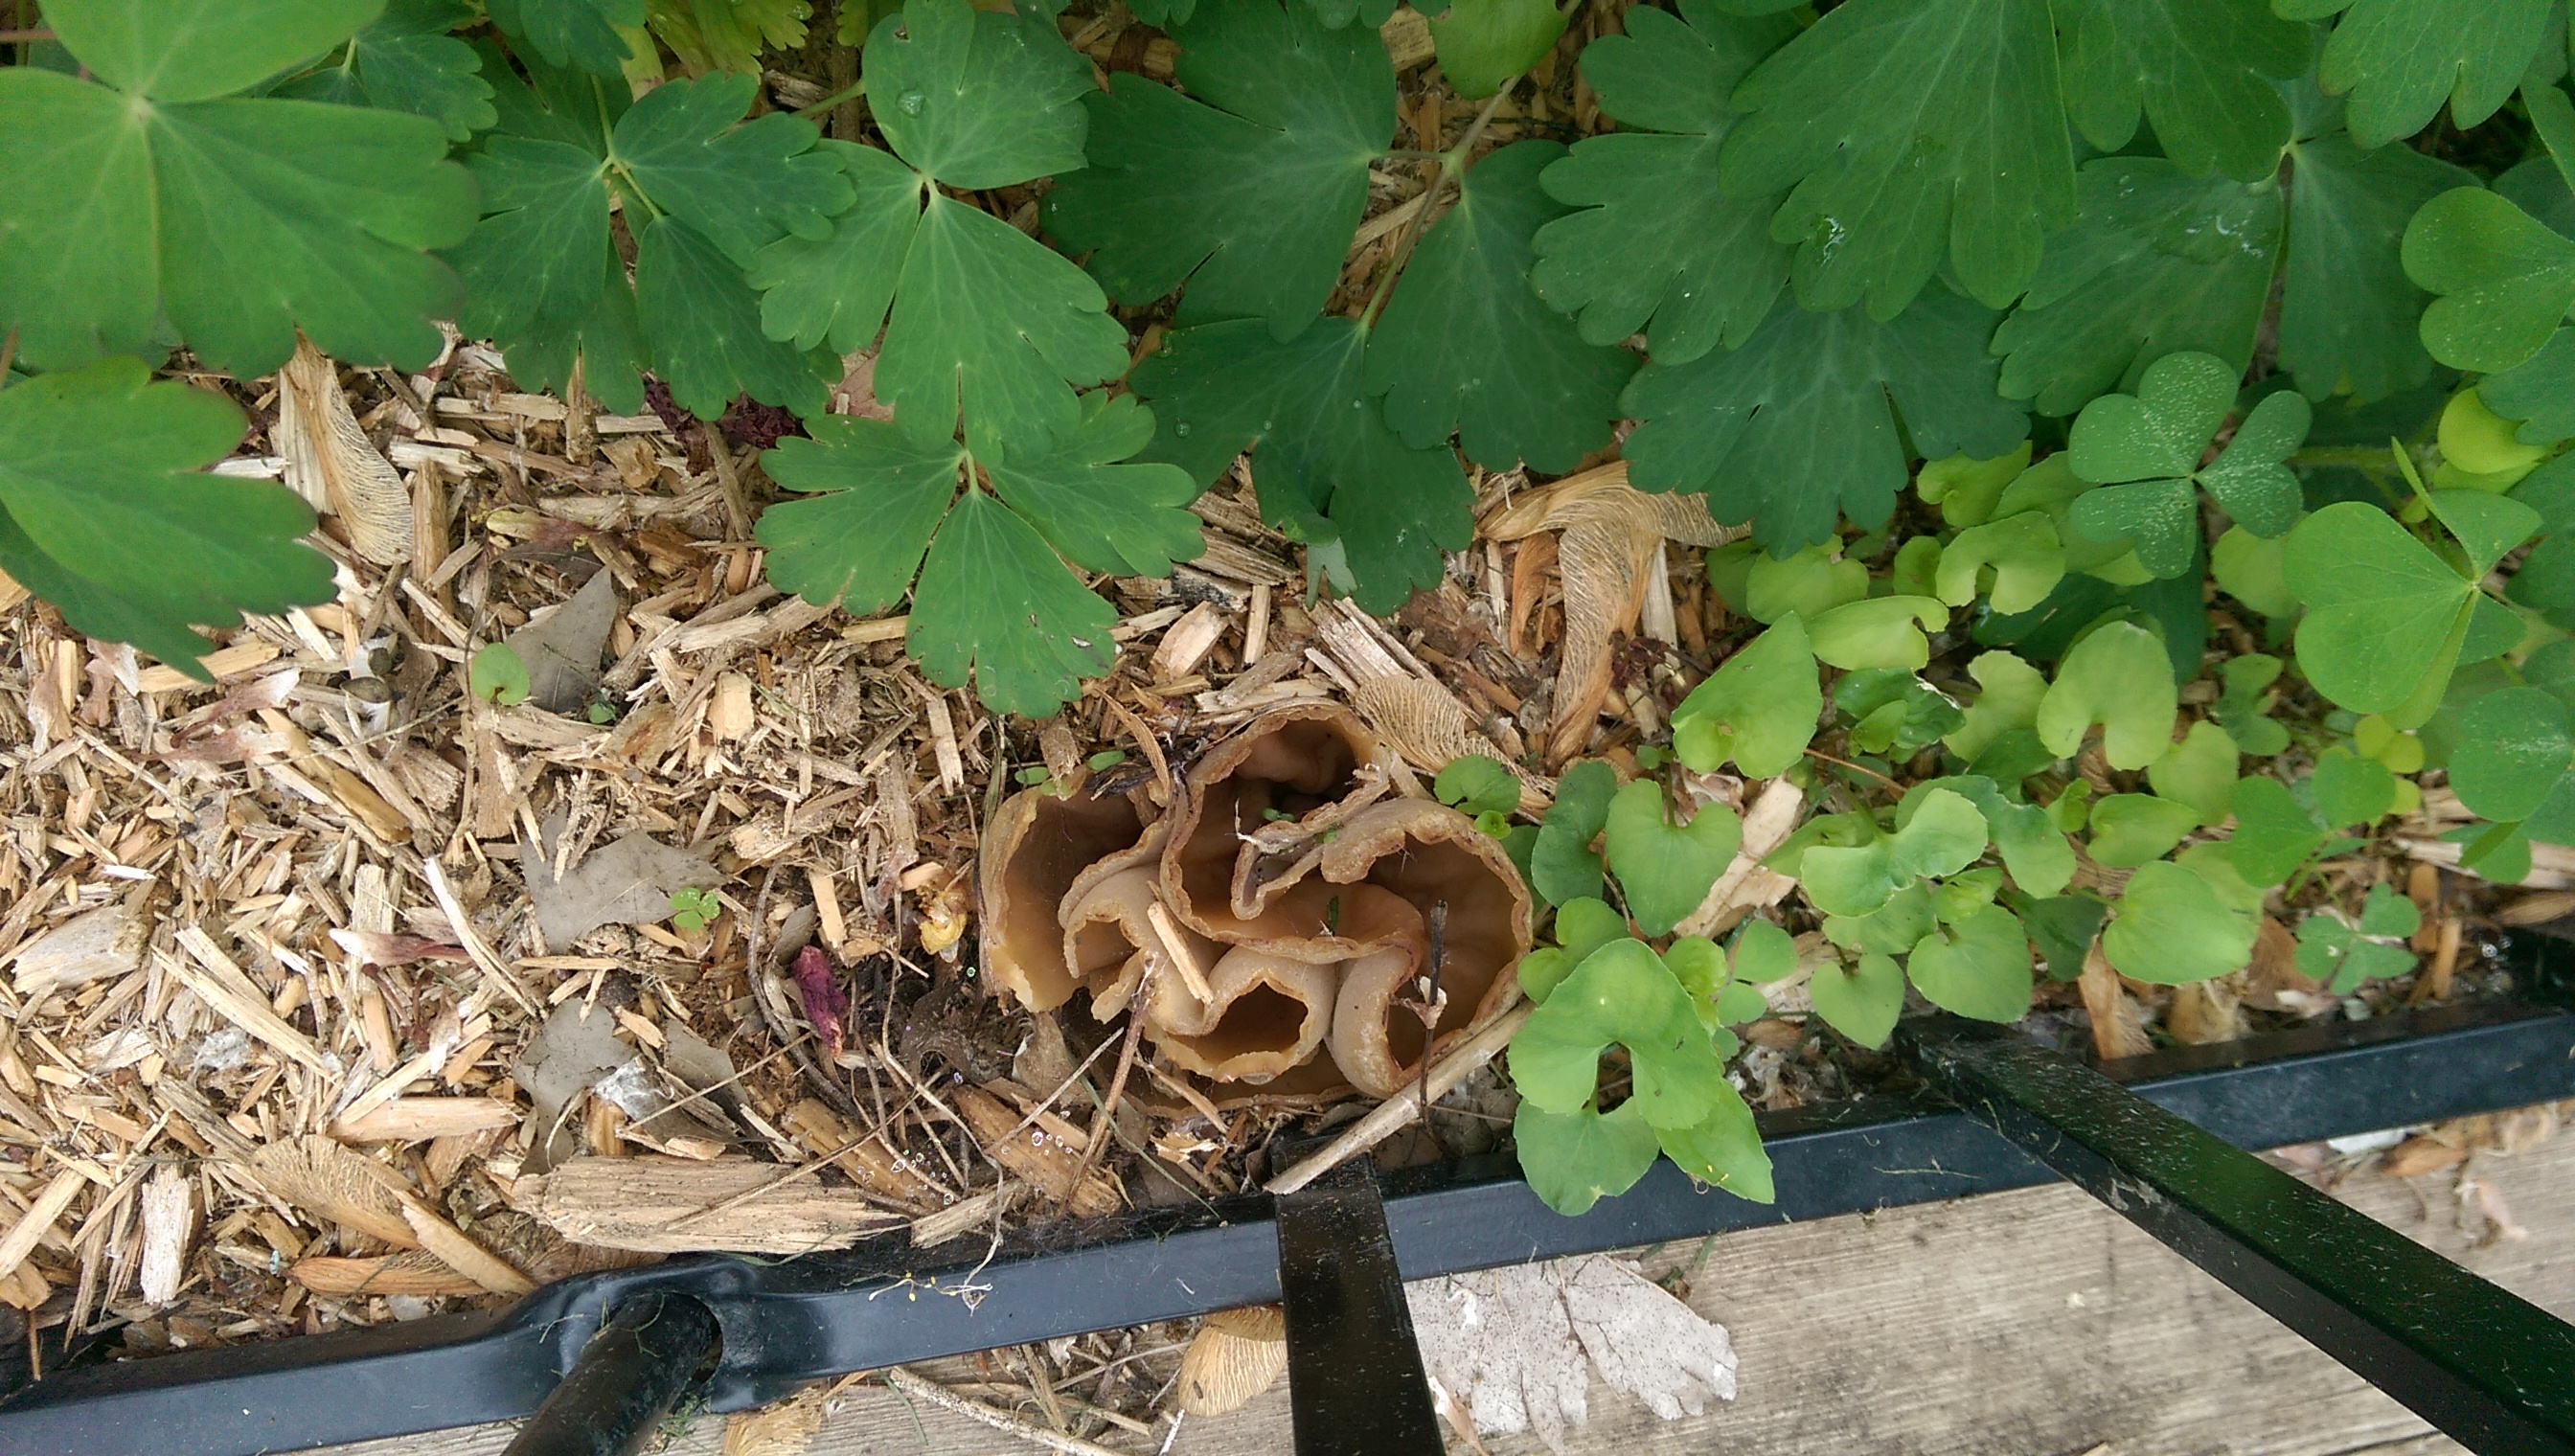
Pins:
x: 1102, y: 1126
x: 1391, y: 1116
x: 975, y: 1410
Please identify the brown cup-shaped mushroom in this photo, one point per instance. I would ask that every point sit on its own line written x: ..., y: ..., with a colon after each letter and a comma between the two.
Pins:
x: 1114, y: 925
x: 1265, y: 1015
x: 1041, y: 843
x: 1261, y: 799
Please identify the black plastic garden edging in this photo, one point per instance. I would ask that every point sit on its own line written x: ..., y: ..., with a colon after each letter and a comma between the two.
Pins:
x: 787, y: 1323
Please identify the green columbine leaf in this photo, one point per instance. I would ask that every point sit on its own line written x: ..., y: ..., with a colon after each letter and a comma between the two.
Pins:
x: 2144, y: 451
x: 2157, y: 262
x: 1657, y: 247
x: 2172, y: 928
x: 407, y: 60
x: 994, y: 597
x: 727, y: 35
x: 1800, y: 425
x: 1331, y: 472
x: 2347, y: 310
x: 1943, y: 837
x: 1759, y: 707
x: 1464, y: 347
x: 2198, y: 771
x: 2384, y: 614
x: 2013, y: 692
x: 1667, y: 869
x: 1564, y: 868
x: 1482, y: 44
x: 1723, y: 1148
x: 1620, y: 995
x: 1250, y: 186
x: 2119, y: 677
x: 977, y: 98
x: 572, y: 33
x: 157, y: 195
x: 2398, y: 60
x: 2199, y: 70
x: 705, y: 190
x: 1476, y: 785
x: 1977, y: 968
x: 2513, y: 752
x: 1860, y: 1001
x: 103, y: 514
x: 2274, y: 833
x: 2022, y: 554
x: 2504, y: 279
x: 2130, y: 828
x: 1575, y: 1160
x: 1909, y: 129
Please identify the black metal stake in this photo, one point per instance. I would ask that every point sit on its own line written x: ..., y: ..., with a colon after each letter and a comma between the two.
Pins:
x: 2491, y: 1369
x: 626, y: 1380
x: 1354, y: 1381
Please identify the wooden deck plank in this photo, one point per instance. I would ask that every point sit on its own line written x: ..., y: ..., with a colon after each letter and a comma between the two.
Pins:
x: 2034, y: 1323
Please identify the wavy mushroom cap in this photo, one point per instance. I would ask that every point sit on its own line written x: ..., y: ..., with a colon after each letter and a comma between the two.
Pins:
x: 1289, y: 780
x: 1265, y: 1015
x: 1041, y: 843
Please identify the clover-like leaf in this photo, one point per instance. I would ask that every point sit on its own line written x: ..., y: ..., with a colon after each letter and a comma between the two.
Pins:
x: 2274, y: 833
x: 577, y: 33
x: 2539, y: 392
x: 104, y: 515
x: 1759, y: 707
x: 1894, y: 712
x: 1575, y: 1160
x: 1723, y: 1148
x: 1800, y: 424
x: 2198, y: 771
x: 1763, y: 953
x: 1466, y: 349
x: 1665, y: 868
x: 2385, y: 616
x: 1659, y: 247
x: 1881, y: 631
x: 2398, y: 60
x: 2157, y: 262
x: 2348, y: 313
x: 1861, y: 1000
x: 1250, y: 188
x: 1331, y: 472
x: 2344, y: 955
x: 406, y: 59
x: 2349, y: 790
x: 995, y: 598
x: 1620, y: 995
x: 2022, y: 552
x: 153, y: 194
x: 2119, y: 677
x: 2130, y: 828
x: 2034, y: 850
x: 1909, y: 129
x: 1478, y: 784
x: 2144, y: 451
x: 2504, y: 279
x: 2009, y: 703
x: 1943, y: 837
x: 1564, y: 867
x: 1809, y: 582
x: 2170, y: 928
x: 1978, y: 967
x: 2513, y: 751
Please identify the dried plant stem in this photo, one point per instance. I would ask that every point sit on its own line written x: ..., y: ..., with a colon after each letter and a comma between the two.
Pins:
x: 1100, y: 1126
x: 975, y: 1410
x: 1389, y: 1117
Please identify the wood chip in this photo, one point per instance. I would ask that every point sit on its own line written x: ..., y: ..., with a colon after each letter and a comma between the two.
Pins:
x: 169, y: 1217
x: 223, y: 985
x: 635, y: 1203
x: 452, y: 1248
x: 417, y: 1274
x: 418, y: 1119
x: 38, y: 1221
x: 1029, y: 1153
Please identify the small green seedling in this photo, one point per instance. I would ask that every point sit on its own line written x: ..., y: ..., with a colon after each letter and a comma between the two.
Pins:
x: 694, y: 909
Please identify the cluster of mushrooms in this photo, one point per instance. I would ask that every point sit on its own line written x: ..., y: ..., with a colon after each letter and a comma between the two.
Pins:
x: 1289, y: 926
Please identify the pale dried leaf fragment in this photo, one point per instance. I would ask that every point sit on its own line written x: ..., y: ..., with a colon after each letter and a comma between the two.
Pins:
x: 1235, y: 1356
x: 1516, y: 1345
x: 333, y: 466
x: 562, y: 647
x: 628, y: 881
